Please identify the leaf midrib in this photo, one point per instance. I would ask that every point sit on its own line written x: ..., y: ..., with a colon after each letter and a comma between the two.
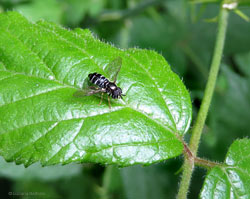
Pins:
x: 89, y: 116
x: 231, y: 184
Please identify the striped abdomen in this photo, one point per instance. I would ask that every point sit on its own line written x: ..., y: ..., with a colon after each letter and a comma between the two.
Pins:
x: 99, y: 80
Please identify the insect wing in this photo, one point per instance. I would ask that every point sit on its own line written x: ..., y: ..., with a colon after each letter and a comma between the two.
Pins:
x: 87, y: 92
x: 113, y: 68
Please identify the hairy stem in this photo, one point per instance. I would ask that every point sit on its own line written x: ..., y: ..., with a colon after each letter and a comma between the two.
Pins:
x: 200, y: 121
x: 206, y: 163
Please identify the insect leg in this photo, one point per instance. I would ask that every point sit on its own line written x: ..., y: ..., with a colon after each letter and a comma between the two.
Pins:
x: 101, y: 99
x: 109, y: 102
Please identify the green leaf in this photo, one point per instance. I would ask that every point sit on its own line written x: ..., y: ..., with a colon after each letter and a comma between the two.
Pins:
x: 233, y: 179
x: 43, y: 65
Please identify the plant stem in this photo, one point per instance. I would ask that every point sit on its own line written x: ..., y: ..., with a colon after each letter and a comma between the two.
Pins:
x: 206, y: 163
x: 200, y: 121
x: 186, y: 175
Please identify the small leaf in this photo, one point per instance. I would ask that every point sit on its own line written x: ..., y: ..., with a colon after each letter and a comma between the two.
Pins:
x: 233, y: 179
x: 43, y: 65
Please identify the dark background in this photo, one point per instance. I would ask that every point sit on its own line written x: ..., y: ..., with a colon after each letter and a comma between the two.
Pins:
x: 184, y: 34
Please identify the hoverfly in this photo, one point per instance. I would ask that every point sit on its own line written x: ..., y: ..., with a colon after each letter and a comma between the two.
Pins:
x: 102, y: 84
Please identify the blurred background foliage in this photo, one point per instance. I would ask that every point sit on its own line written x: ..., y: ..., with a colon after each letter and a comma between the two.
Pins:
x: 184, y: 34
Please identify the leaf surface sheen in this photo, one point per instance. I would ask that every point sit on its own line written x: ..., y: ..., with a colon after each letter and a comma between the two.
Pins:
x: 233, y: 179
x: 42, y: 65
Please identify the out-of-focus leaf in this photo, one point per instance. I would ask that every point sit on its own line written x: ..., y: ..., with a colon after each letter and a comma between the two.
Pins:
x: 238, y: 41
x: 34, y: 10
x: 33, y: 189
x: 238, y: 2
x: 163, y: 34
x: 150, y: 182
x: 8, y: 4
x: 19, y: 172
x: 200, y: 36
x: 78, y: 187
x: 243, y: 62
x: 75, y: 10
x: 233, y: 179
x: 178, y: 10
x: 43, y: 65
x: 228, y: 116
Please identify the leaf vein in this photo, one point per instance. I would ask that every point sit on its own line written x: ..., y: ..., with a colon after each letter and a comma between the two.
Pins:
x: 35, y: 141
x: 71, y: 43
x: 155, y: 85
x: 7, y: 77
x: 70, y: 142
x: 32, y: 52
x: 130, y: 144
x: 41, y: 93
x: 231, y: 183
x: 242, y: 158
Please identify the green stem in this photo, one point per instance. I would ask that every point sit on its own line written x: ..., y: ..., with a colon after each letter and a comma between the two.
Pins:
x: 200, y: 121
x: 186, y: 175
x: 206, y: 163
